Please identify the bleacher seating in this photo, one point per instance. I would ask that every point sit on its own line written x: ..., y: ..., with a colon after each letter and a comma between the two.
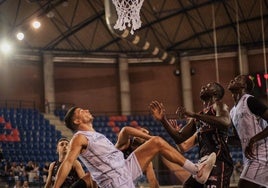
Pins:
x: 26, y: 135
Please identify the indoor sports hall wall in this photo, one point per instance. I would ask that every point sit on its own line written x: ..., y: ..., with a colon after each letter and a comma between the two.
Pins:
x: 96, y: 86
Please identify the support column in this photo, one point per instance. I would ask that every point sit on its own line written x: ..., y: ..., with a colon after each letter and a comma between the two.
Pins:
x: 186, y: 83
x: 124, y: 85
x: 6, y: 77
x: 49, y: 82
x: 243, y: 61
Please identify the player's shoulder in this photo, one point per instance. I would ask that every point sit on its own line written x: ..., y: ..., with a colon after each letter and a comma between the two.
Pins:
x: 79, y: 139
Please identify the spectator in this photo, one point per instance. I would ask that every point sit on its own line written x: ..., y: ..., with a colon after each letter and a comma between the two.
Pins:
x: 22, y: 173
x: 17, y: 184
x: 45, y: 171
x: 76, y: 169
x: 29, y: 169
x: 25, y: 184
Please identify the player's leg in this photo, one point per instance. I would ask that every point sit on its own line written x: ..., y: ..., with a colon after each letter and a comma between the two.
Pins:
x: 156, y: 145
x: 181, y: 174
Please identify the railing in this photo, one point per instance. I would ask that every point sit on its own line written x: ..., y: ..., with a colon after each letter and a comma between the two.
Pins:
x: 17, y: 104
x: 51, y: 106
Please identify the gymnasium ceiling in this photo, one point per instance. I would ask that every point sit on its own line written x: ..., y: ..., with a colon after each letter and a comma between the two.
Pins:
x: 176, y: 26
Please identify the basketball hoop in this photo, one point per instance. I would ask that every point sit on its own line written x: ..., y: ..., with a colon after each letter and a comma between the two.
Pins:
x: 128, y: 12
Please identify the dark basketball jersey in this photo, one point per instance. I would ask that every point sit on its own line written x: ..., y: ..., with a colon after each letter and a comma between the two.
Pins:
x: 70, y: 179
x: 132, y: 146
x: 212, y: 139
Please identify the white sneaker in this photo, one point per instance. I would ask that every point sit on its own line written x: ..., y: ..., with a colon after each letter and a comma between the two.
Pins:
x: 205, y: 167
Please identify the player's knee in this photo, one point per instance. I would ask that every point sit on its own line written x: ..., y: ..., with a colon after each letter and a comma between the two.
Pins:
x: 157, y: 140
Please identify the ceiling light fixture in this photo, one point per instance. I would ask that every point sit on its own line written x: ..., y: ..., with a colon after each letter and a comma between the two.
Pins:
x: 5, y: 47
x: 20, y: 36
x: 36, y: 24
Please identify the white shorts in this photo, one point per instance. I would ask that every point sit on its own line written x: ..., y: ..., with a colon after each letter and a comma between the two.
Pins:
x: 132, y: 169
x: 133, y: 166
x: 256, y: 173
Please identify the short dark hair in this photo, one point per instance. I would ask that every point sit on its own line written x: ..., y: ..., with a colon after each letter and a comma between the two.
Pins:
x: 63, y: 139
x: 68, y: 118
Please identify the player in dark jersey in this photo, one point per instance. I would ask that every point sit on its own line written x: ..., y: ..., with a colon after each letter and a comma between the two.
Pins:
x: 74, y: 175
x: 128, y: 143
x: 210, y: 127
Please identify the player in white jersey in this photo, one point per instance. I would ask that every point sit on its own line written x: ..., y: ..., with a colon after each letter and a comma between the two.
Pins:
x: 106, y: 163
x: 251, y: 145
x: 249, y: 117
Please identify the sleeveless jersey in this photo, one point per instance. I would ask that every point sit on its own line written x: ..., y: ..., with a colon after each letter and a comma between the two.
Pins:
x: 104, y: 161
x: 248, y: 125
x: 70, y: 179
x: 212, y: 139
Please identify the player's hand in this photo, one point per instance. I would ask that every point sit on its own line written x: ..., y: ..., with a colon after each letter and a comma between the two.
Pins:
x: 157, y: 109
x: 174, y: 124
x: 182, y: 113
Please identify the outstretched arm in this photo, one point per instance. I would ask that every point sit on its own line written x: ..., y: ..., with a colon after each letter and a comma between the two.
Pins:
x: 188, y: 144
x: 221, y: 120
x: 76, y: 145
x: 158, y: 111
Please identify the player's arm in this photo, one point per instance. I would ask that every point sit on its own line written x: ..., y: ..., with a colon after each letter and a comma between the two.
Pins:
x: 222, y: 118
x: 76, y: 145
x: 188, y: 144
x: 49, y: 176
x: 79, y: 169
x: 259, y: 109
x: 158, y: 111
x: 125, y: 134
x: 249, y: 148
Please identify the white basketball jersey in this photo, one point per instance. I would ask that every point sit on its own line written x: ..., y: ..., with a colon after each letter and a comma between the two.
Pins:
x: 104, y: 161
x: 248, y: 125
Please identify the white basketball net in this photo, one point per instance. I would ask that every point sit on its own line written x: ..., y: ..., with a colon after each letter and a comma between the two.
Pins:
x: 128, y: 12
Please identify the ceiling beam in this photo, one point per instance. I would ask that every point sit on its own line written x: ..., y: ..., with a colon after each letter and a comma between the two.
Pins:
x: 173, y: 46
x: 73, y: 30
